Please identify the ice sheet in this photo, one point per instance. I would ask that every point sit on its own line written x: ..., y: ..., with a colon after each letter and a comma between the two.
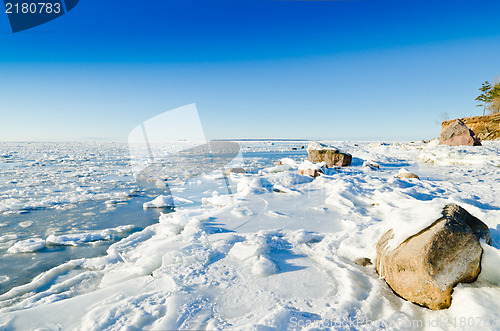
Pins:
x: 279, y: 251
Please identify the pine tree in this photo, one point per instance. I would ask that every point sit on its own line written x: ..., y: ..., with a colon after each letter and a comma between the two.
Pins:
x: 484, y: 97
x: 494, y: 99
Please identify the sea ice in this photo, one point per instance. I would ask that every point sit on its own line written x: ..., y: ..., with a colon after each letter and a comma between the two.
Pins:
x: 27, y: 246
x: 278, y: 252
x: 166, y: 201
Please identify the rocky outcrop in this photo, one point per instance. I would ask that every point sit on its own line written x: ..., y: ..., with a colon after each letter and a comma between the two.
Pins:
x: 485, y: 127
x: 330, y: 155
x: 425, y: 268
x: 458, y: 134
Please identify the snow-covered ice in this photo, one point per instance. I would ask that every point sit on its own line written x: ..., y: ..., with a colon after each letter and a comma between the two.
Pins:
x: 27, y: 246
x: 76, y: 239
x: 277, y: 252
x: 162, y: 201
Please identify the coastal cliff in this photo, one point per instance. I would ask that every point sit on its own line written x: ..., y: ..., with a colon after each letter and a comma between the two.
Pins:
x: 485, y: 127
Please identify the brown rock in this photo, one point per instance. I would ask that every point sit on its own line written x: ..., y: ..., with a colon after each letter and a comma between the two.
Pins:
x: 363, y: 261
x: 407, y: 175
x: 331, y: 156
x: 458, y: 134
x: 235, y: 171
x: 485, y: 127
x: 425, y: 268
x: 310, y: 172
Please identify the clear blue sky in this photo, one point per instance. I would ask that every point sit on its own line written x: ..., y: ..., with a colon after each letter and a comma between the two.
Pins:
x: 366, y: 69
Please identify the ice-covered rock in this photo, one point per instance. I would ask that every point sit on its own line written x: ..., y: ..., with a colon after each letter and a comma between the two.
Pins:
x: 371, y: 165
x: 403, y: 173
x: 425, y: 268
x: 332, y: 156
x: 458, y: 134
x: 308, y: 168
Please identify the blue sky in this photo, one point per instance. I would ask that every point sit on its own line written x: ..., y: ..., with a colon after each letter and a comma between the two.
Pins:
x: 340, y: 70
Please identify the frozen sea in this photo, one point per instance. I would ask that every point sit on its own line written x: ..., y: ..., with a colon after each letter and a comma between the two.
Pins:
x: 269, y: 249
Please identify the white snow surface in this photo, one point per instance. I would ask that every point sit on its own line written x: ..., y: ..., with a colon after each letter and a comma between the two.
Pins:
x: 76, y: 239
x: 166, y: 201
x: 27, y: 246
x: 278, y: 253
x: 314, y: 145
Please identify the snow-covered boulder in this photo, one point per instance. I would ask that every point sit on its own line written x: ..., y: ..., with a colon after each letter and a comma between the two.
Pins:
x: 371, y: 165
x: 332, y: 156
x: 425, y: 268
x: 308, y: 168
x: 458, y: 134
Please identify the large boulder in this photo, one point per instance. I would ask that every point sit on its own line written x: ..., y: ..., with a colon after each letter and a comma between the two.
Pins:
x: 331, y: 156
x: 485, y: 127
x: 425, y: 268
x: 458, y: 134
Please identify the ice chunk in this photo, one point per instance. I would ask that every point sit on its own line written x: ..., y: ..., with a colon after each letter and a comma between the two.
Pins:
x: 306, y: 165
x: 27, y: 246
x: 163, y: 201
x: 245, y: 250
x: 264, y: 267
x: 81, y: 238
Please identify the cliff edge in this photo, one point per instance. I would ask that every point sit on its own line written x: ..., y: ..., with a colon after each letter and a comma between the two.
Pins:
x: 485, y: 127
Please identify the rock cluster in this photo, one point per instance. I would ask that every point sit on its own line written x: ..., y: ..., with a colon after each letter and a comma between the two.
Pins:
x: 425, y: 268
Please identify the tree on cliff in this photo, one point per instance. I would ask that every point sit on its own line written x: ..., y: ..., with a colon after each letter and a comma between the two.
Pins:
x: 489, y: 98
x: 494, y: 104
x: 483, y: 98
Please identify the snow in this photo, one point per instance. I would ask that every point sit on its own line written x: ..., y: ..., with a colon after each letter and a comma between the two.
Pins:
x: 49, y: 175
x: 314, y: 145
x: 77, y: 239
x: 27, y: 246
x: 166, y: 201
x: 308, y: 165
x: 276, y: 253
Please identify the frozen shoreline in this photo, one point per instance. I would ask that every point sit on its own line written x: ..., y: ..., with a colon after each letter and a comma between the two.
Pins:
x: 280, y: 251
